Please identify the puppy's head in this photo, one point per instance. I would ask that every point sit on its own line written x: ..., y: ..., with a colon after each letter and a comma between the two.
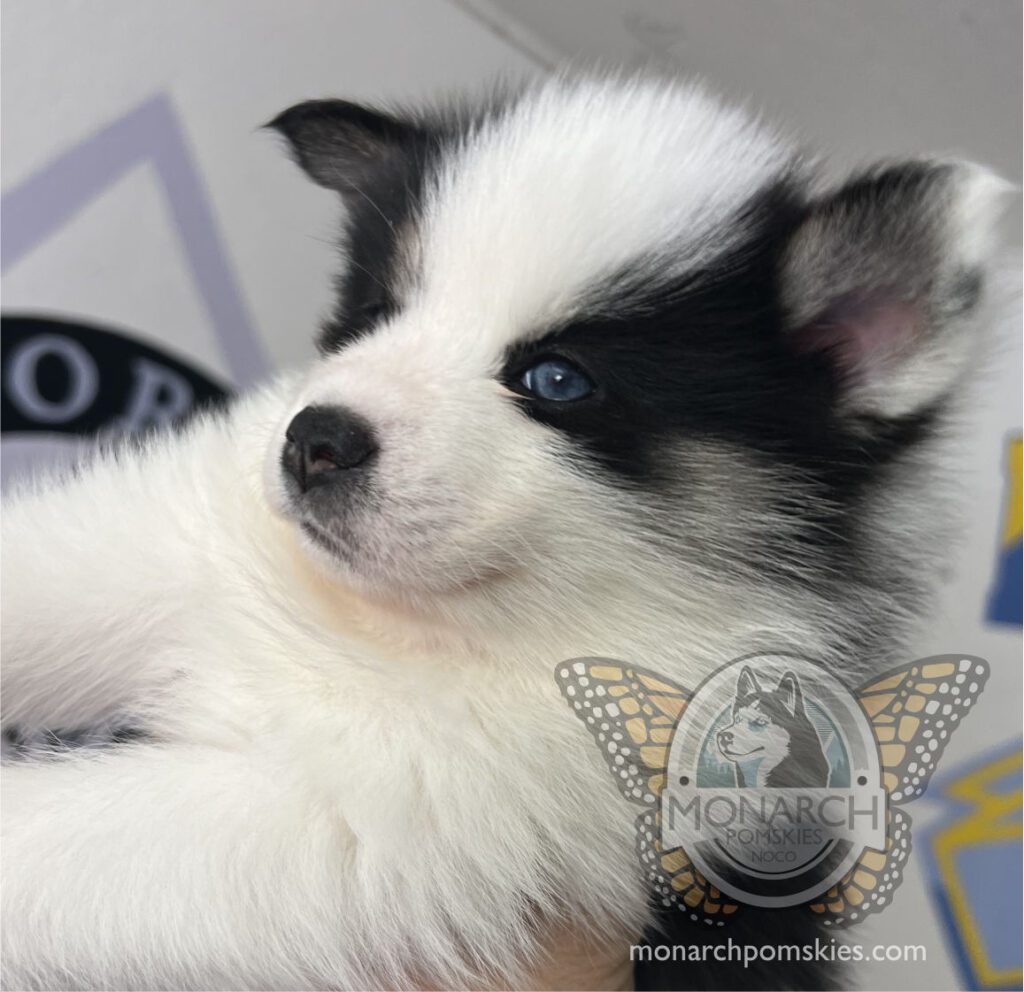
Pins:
x: 761, y: 720
x: 601, y: 344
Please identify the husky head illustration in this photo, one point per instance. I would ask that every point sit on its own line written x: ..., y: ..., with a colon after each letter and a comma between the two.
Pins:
x: 771, y: 741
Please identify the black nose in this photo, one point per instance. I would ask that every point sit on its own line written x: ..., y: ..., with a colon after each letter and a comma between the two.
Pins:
x: 323, y: 444
x: 725, y: 737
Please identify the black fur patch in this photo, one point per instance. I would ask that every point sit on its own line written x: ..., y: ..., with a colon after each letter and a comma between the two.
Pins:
x: 701, y: 357
x: 385, y: 205
x: 709, y: 358
x: 381, y: 162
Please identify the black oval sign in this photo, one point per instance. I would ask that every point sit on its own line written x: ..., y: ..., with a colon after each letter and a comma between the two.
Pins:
x: 62, y: 375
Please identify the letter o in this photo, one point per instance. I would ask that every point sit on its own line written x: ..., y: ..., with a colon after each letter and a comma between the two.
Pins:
x: 23, y: 389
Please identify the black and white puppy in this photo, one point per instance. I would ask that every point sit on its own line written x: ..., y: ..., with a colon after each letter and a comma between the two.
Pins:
x: 608, y: 375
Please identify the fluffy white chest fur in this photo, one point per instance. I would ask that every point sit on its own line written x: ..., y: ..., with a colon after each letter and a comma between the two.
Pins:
x: 338, y: 796
x: 609, y: 376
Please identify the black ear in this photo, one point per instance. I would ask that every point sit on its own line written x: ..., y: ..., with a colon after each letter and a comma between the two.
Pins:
x: 747, y: 684
x: 792, y: 696
x: 339, y: 144
x: 884, y: 280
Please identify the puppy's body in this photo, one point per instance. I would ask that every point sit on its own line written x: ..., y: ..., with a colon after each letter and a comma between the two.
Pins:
x: 358, y: 771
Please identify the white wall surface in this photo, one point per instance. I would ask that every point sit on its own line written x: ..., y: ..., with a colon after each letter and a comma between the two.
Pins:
x: 227, y: 66
x: 857, y: 78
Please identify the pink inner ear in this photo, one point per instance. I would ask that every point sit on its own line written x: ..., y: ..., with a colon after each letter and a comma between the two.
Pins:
x: 866, y: 338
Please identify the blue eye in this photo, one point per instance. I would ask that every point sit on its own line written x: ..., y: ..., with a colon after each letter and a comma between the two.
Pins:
x: 556, y: 380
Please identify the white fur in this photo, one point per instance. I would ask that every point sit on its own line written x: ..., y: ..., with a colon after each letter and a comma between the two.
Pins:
x: 537, y: 208
x: 363, y: 775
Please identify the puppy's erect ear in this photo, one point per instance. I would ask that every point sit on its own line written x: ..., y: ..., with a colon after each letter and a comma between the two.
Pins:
x: 792, y: 696
x: 340, y: 144
x: 885, y: 277
x: 747, y: 684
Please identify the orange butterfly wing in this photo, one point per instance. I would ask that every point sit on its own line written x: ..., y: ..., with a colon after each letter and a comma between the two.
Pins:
x: 913, y: 711
x: 632, y: 714
x: 869, y: 885
x: 676, y: 881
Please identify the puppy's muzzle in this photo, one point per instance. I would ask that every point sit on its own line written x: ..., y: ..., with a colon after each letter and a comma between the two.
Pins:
x: 327, y: 446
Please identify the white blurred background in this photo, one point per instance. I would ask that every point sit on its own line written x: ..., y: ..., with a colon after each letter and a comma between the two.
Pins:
x: 139, y: 198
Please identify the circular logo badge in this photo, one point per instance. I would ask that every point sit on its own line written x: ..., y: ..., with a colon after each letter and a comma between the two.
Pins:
x: 774, y: 784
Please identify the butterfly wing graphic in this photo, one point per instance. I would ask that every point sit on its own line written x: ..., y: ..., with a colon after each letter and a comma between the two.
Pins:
x: 632, y: 714
x: 913, y: 711
x: 674, y: 878
x: 869, y: 885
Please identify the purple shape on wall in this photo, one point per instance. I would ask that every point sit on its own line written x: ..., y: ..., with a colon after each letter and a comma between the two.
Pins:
x: 50, y: 197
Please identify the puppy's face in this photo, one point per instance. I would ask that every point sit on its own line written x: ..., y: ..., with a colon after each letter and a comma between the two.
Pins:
x: 577, y: 336
x: 762, y: 722
x: 753, y: 735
